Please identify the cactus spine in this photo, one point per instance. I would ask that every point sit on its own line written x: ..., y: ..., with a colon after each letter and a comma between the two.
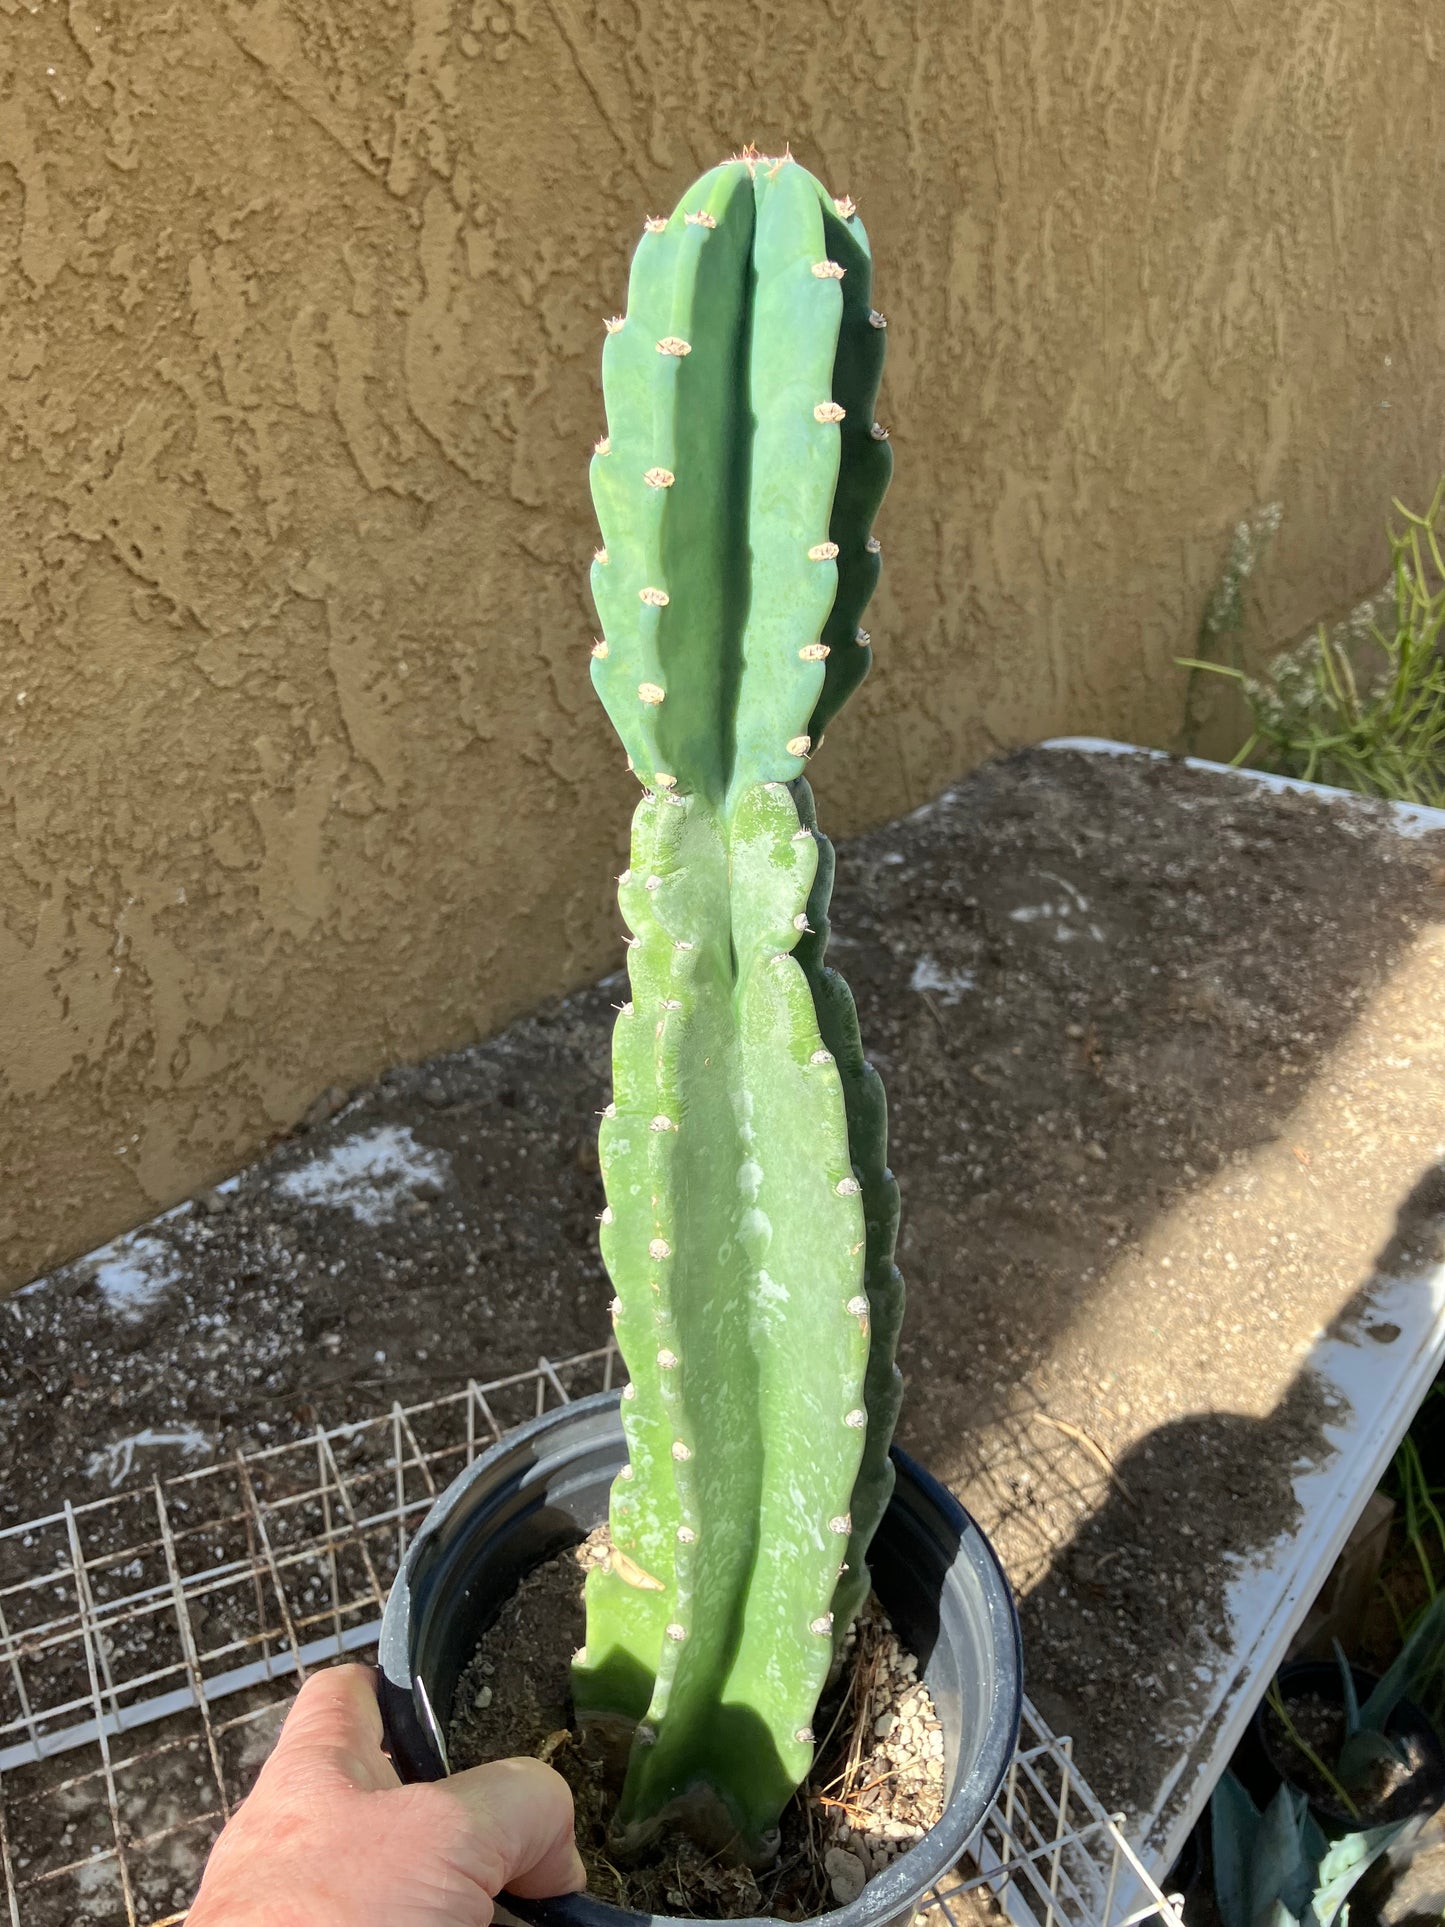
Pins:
x: 750, y: 1214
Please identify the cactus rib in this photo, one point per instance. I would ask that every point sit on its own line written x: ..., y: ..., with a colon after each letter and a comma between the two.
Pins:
x: 867, y: 1111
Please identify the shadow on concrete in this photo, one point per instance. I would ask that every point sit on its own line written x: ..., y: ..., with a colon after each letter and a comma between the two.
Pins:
x: 1130, y: 1641
x: 1090, y: 985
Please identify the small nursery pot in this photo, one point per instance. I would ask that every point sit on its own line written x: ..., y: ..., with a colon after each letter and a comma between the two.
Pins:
x: 546, y: 1486
x: 1320, y: 1679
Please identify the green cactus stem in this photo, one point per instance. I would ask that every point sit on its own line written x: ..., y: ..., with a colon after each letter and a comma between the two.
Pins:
x: 750, y: 1216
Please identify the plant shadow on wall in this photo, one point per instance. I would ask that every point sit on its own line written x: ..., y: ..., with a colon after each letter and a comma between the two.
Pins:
x: 1101, y: 1598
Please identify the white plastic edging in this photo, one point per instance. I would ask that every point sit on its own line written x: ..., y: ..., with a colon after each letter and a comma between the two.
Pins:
x: 1411, y: 819
x: 1378, y: 1390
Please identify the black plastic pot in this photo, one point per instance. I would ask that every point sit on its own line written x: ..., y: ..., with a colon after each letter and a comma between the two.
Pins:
x: 546, y: 1486
x: 1186, y: 1877
x: 1320, y: 1679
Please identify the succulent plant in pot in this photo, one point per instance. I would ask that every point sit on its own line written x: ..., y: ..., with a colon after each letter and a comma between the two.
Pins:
x: 1360, y: 1747
x: 750, y: 1216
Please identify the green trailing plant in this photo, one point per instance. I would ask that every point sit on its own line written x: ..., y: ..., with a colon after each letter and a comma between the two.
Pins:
x: 1277, y: 1869
x: 751, y: 1217
x: 1422, y: 1524
x: 1414, y: 1559
x: 1365, y: 713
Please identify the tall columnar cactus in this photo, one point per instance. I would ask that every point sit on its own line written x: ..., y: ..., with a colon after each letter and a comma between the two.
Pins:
x: 750, y: 1216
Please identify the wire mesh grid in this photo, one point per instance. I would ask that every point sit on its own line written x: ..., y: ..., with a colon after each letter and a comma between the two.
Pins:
x: 150, y: 1640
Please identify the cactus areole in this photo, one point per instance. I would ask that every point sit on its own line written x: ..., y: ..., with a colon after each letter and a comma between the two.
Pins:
x: 751, y: 1217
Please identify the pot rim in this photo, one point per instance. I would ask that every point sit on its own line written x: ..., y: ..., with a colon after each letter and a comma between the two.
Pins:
x: 886, y: 1897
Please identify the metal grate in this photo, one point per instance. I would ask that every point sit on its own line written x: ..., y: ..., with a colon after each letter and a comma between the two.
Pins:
x: 150, y: 1640
x: 1048, y: 1853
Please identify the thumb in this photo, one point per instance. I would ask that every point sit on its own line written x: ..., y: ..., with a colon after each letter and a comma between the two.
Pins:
x: 524, y: 1810
x: 332, y: 1734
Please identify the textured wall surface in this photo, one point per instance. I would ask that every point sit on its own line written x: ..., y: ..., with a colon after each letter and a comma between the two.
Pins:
x: 300, y: 304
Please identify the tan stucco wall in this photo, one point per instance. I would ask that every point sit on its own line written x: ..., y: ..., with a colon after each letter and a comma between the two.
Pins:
x: 300, y: 300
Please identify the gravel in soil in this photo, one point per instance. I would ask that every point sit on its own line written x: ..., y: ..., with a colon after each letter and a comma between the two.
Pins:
x: 1164, y: 1064
x: 875, y: 1789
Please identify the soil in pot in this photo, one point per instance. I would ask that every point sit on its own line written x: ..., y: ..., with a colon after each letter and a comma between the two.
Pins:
x: 1390, y: 1793
x: 876, y: 1785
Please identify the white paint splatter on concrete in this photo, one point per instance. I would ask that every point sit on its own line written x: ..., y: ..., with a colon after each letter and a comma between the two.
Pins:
x: 1066, y: 913
x: 116, y: 1461
x: 97, y: 1884
x: 133, y: 1272
x: 370, y: 1175
x: 950, y: 985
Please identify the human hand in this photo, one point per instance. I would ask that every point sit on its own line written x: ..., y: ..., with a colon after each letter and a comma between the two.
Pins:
x: 329, y: 1837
